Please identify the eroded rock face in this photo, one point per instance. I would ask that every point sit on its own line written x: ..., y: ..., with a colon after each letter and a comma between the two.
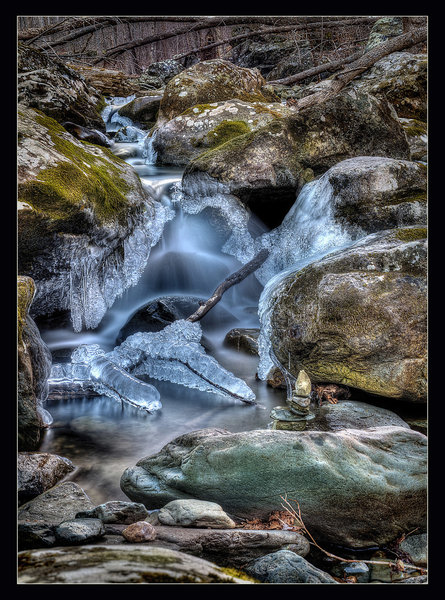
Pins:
x: 211, y: 81
x: 401, y: 78
x: 377, y: 193
x: 357, y: 317
x: 33, y: 369
x: 49, y: 85
x: 118, y: 564
x: 206, y: 126
x: 270, y: 165
x: 39, y: 471
x: 83, y: 221
x: 350, y: 488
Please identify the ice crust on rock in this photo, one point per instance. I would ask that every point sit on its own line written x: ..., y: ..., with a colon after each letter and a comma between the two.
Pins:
x: 173, y: 354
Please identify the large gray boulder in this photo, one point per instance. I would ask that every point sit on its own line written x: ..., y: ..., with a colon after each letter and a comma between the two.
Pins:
x: 357, y: 317
x: 121, y: 563
x: 33, y: 369
x: 83, y: 221
x: 351, y: 489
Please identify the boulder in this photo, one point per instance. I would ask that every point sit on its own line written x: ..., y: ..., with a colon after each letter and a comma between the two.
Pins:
x: 286, y: 567
x: 375, y: 193
x: 195, y: 513
x: 383, y: 30
x: 141, y: 531
x: 116, y: 511
x: 109, y: 82
x: 417, y: 136
x: 266, y: 168
x: 417, y: 547
x: 33, y: 369
x: 119, y: 564
x: 300, y: 59
x: 142, y: 110
x: 211, y: 81
x: 78, y: 531
x: 49, y: 85
x: 357, y: 317
x: 83, y: 221
x: 39, y: 471
x: 400, y: 78
x: 262, y: 53
x: 244, y: 340
x: 93, y: 136
x: 356, y: 488
x: 206, y: 126
x: 158, y: 74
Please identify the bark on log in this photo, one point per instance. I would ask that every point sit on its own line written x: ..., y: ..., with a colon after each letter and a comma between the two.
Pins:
x: 356, y: 68
x: 233, y: 279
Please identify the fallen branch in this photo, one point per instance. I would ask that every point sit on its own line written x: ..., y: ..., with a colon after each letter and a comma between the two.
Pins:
x: 233, y: 279
x: 301, y: 528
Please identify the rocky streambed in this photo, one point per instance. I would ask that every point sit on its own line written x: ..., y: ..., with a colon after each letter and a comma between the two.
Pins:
x: 303, y: 389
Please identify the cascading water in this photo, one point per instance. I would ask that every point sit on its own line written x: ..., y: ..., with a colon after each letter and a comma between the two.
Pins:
x: 205, y: 237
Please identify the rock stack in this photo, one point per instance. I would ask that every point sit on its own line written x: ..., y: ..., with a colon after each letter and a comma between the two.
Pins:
x: 296, y: 416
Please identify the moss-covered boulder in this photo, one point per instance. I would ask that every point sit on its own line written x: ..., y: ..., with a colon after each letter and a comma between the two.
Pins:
x: 400, y: 78
x: 207, y: 126
x: 376, y: 193
x: 357, y: 317
x: 266, y: 168
x: 211, y: 81
x: 33, y: 368
x: 417, y: 136
x: 81, y: 209
x: 356, y: 488
x: 57, y: 90
x: 384, y: 29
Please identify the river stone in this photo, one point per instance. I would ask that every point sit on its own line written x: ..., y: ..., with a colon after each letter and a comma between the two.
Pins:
x: 206, y: 126
x: 46, y: 83
x: 286, y: 567
x: 400, y: 78
x: 243, y: 339
x: 211, y: 81
x: 247, y: 472
x: 417, y: 548
x: 93, y: 136
x: 39, y: 471
x: 265, y: 169
x: 82, y: 212
x: 142, y: 110
x: 140, y: 531
x: 116, y: 511
x: 33, y: 369
x: 359, y: 570
x: 79, y: 531
x: 357, y: 317
x: 36, y: 534
x: 303, y: 385
x: 195, y: 513
x: 376, y: 193
x: 60, y: 503
x: 118, y: 564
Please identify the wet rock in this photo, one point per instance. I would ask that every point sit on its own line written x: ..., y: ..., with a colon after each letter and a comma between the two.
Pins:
x: 39, y: 471
x: 358, y: 570
x: 118, y: 564
x: 417, y: 547
x: 116, y: 511
x: 79, y: 531
x: 195, y: 513
x: 49, y: 85
x: 139, y: 532
x: 243, y: 339
x: 87, y: 135
x: 142, y: 110
x: 60, y: 503
x: 303, y: 384
x: 33, y: 369
x: 357, y: 317
x: 252, y: 469
x: 286, y: 567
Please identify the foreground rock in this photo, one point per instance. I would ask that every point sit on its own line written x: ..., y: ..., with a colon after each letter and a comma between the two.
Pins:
x: 286, y: 567
x: 357, y: 317
x: 33, y: 369
x: 79, y: 531
x: 211, y: 81
x: 246, y: 473
x: 57, y: 90
x: 140, y: 531
x: 116, y: 511
x: 83, y: 221
x: 118, y: 564
x: 195, y: 513
x: 39, y: 471
x: 266, y: 168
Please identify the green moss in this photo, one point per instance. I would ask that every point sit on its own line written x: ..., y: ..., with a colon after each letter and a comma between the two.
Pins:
x: 415, y: 128
x: 238, y: 574
x: 84, y: 180
x: 225, y: 131
x: 411, y: 234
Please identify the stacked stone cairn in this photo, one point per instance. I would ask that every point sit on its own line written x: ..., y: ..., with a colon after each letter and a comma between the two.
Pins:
x: 299, y: 412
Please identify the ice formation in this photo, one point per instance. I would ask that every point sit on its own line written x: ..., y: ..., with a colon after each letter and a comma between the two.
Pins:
x: 173, y: 354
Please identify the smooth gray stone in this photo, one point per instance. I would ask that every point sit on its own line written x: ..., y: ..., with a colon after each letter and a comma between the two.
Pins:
x: 116, y: 511
x: 195, y: 513
x: 79, y: 531
x: 285, y: 566
x: 58, y: 504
